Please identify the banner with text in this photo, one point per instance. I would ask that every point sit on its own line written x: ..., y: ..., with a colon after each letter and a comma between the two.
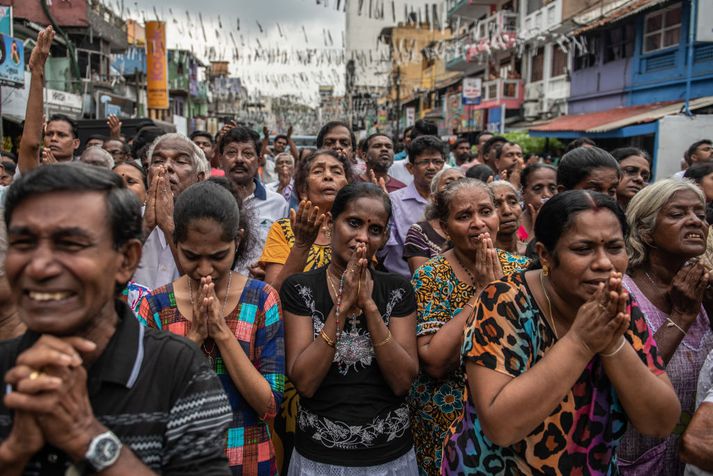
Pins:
x: 156, y: 65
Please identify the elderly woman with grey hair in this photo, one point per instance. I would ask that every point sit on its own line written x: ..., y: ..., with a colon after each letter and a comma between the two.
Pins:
x: 507, y: 203
x: 666, y: 276
x: 175, y: 163
x: 96, y: 155
x: 426, y: 239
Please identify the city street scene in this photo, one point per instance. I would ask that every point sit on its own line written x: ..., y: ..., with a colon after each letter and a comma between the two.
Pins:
x: 356, y: 237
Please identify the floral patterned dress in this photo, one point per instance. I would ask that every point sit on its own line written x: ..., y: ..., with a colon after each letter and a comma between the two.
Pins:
x: 508, y: 333
x: 434, y: 404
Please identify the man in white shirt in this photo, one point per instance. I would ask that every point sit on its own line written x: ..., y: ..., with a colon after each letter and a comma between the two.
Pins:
x: 239, y: 160
x: 175, y: 163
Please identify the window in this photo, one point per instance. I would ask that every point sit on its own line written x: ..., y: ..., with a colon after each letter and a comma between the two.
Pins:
x: 588, y: 56
x: 534, y: 5
x: 662, y: 29
x: 538, y: 65
x: 619, y: 43
x: 559, y: 62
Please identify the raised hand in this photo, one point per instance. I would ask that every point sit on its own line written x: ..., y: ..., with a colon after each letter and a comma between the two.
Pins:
x: 164, y: 204
x: 380, y: 182
x: 114, y: 126
x: 352, y: 277
x: 688, y: 289
x: 306, y: 223
x: 266, y: 132
x: 48, y: 157
x: 290, y: 130
x: 487, y: 264
x: 41, y: 51
x: 150, y: 209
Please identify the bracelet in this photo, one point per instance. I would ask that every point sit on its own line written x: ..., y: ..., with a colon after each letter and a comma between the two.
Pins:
x: 670, y: 323
x: 327, y: 339
x: 471, y: 306
x: 384, y: 342
x: 621, y: 346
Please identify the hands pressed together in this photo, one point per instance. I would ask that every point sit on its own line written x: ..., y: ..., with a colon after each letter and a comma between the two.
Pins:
x: 207, y: 320
x: 159, y: 204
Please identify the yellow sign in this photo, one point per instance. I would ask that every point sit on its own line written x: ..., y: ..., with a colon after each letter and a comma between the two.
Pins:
x: 156, y: 65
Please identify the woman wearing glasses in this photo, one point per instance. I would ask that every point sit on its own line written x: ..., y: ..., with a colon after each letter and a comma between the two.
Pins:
x: 635, y: 167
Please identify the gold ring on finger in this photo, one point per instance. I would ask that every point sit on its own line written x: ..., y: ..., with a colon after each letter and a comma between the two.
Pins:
x: 35, y: 375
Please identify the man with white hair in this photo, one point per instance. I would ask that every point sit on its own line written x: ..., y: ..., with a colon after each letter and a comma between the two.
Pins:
x: 97, y: 156
x: 175, y: 163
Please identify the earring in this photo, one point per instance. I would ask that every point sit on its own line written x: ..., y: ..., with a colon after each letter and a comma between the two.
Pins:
x: 545, y: 270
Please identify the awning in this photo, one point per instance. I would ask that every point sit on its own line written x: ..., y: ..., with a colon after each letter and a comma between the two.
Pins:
x: 609, y: 13
x: 617, y: 118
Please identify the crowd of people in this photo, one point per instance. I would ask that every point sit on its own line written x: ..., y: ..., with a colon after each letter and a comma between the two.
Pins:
x: 227, y: 305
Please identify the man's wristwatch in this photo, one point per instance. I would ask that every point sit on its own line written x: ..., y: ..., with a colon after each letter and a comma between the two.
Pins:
x: 103, y: 451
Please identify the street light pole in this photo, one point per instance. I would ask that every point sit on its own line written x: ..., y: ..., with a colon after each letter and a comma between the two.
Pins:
x: 689, y: 61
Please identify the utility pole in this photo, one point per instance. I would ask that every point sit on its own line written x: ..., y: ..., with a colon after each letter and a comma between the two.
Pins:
x: 398, y: 101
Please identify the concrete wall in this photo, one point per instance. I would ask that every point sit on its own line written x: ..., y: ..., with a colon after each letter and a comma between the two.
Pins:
x: 72, y: 13
x: 675, y: 134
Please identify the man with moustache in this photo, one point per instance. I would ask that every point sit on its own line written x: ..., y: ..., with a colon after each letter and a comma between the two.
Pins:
x: 240, y: 160
x: 175, y: 163
x: 378, y: 151
x: 426, y: 156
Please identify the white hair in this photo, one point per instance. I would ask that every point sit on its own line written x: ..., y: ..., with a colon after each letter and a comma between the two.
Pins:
x: 200, y: 163
x: 106, y: 157
x: 285, y: 154
x: 504, y: 183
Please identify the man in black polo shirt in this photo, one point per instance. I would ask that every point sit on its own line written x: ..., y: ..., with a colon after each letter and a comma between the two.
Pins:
x: 88, y: 389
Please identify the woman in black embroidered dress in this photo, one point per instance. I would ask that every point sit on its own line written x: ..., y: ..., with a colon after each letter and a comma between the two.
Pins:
x: 351, y: 349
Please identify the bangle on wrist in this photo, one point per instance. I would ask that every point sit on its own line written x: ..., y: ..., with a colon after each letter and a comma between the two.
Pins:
x: 612, y: 354
x: 670, y: 323
x: 328, y: 340
x: 384, y: 342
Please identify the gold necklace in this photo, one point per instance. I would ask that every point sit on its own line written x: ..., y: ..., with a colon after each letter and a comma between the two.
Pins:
x: 549, y: 306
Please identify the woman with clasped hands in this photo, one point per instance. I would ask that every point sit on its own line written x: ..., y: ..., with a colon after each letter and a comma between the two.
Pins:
x: 560, y: 359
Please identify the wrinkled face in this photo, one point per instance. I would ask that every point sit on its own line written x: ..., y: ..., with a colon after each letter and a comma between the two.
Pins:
x: 325, y: 179
x: 425, y: 167
x: 586, y: 254
x: 116, y: 149
x: 240, y: 162
x: 284, y: 166
x: 471, y: 213
x: 204, y: 253
x: 541, y: 186
x: 681, y: 227
x: 448, y: 177
x: 339, y: 140
x: 602, y: 179
x: 133, y: 180
x: 280, y: 145
x: 206, y: 146
x: 61, y: 264
x: 363, y: 220
x: 508, y: 208
x: 635, y: 175
x: 380, y: 154
x: 707, y: 187
x: 60, y: 139
x: 175, y: 155
x: 510, y: 155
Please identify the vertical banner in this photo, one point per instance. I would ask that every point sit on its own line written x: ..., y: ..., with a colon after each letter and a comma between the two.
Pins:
x: 410, y: 116
x: 6, y: 21
x: 156, y: 65
x: 12, y: 61
x: 472, y: 90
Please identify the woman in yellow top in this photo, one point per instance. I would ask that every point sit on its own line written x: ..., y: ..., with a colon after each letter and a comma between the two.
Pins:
x: 298, y: 244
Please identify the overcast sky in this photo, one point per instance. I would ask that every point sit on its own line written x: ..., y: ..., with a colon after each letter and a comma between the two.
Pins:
x: 303, y: 25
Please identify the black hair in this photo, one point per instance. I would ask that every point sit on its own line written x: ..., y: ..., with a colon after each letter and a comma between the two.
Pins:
x: 578, y: 163
x: 557, y: 215
x: 407, y: 132
x: 100, y: 137
x: 205, y: 134
x: 206, y: 200
x: 10, y: 167
x: 491, y: 142
x: 9, y: 155
x: 123, y: 208
x: 530, y: 169
x: 365, y: 142
x: 68, y: 120
x: 696, y: 172
x: 692, y: 148
x: 480, y: 172
x: 483, y: 133
x: 132, y: 163
x: 240, y: 134
x: 245, y: 222
x: 460, y: 141
x: 424, y: 144
x: 302, y: 170
x: 281, y: 136
x: 355, y: 191
x: 499, y: 152
x: 143, y: 139
x: 423, y: 127
x: 579, y: 143
x: 332, y: 125
x: 623, y: 152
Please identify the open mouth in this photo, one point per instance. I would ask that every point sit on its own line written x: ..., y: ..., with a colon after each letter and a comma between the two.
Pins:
x: 693, y: 236
x: 45, y: 296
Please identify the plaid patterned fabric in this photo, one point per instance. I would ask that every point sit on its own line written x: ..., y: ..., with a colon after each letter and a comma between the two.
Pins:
x: 257, y: 325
